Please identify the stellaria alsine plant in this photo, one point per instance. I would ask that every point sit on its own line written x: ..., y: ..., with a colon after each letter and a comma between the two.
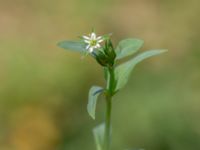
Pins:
x: 116, y: 76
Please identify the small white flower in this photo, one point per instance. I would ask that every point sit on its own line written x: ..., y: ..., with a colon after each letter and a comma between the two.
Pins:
x: 92, y: 41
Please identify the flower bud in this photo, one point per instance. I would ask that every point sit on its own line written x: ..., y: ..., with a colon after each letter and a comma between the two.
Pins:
x: 105, y: 56
x: 109, y: 51
x: 100, y: 57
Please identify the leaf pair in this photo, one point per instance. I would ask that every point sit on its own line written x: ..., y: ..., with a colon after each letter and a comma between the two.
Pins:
x: 126, y: 48
x: 119, y: 74
x: 122, y: 72
x: 98, y: 131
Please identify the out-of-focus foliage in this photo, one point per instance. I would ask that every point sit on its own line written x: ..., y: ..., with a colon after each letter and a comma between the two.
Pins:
x: 43, y: 92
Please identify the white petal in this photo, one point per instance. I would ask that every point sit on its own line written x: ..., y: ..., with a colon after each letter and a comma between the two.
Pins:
x: 99, y: 41
x: 93, y: 36
x: 100, y: 37
x: 86, y: 37
x: 91, y: 49
x: 87, y: 41
x: 98, y: 45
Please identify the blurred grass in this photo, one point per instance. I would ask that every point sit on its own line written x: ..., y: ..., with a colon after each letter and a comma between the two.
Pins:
x: 43, y: 92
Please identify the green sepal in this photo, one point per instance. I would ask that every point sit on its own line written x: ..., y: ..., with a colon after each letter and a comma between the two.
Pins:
x: 100, y: 57
x: 110, y: 52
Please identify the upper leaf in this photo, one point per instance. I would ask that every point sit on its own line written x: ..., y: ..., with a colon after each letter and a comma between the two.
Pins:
x: 94, y: 92
x: 77, y: 46
x: 99, y: 135
x: 128, y: 47
x: 123, y: 71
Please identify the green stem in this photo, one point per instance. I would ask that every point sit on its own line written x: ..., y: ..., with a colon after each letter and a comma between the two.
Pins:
x: 112, y: 81
x: 109, y: 94
x: 107, y: 137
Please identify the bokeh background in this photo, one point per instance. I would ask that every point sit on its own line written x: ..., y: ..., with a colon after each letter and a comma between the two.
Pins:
x: 43, y: 89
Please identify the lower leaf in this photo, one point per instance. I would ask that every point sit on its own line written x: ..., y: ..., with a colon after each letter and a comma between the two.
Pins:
x: 94, y: 92
x: 99, y: 136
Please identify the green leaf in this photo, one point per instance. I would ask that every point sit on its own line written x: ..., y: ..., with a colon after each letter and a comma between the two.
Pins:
x: 123, y: 71
x: 94, y: 92
x: 128, y: 47
x: 99, y: 135
x: 77, y: 46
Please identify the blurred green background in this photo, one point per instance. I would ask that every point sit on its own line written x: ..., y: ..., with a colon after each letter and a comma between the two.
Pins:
x: 43, y: 89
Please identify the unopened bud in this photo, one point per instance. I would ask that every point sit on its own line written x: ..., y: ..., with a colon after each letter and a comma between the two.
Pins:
x: 110, y: 52
x: 100, y: 57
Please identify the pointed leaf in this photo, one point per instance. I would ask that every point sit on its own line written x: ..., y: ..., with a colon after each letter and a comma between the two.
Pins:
x: 123, y: 71
x: 128, y: 47
x: 94, y: 92
x: 99, y: 135
x: 77, y: 46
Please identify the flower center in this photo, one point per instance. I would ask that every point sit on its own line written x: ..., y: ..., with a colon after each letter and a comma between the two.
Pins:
x: 93, y: 42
